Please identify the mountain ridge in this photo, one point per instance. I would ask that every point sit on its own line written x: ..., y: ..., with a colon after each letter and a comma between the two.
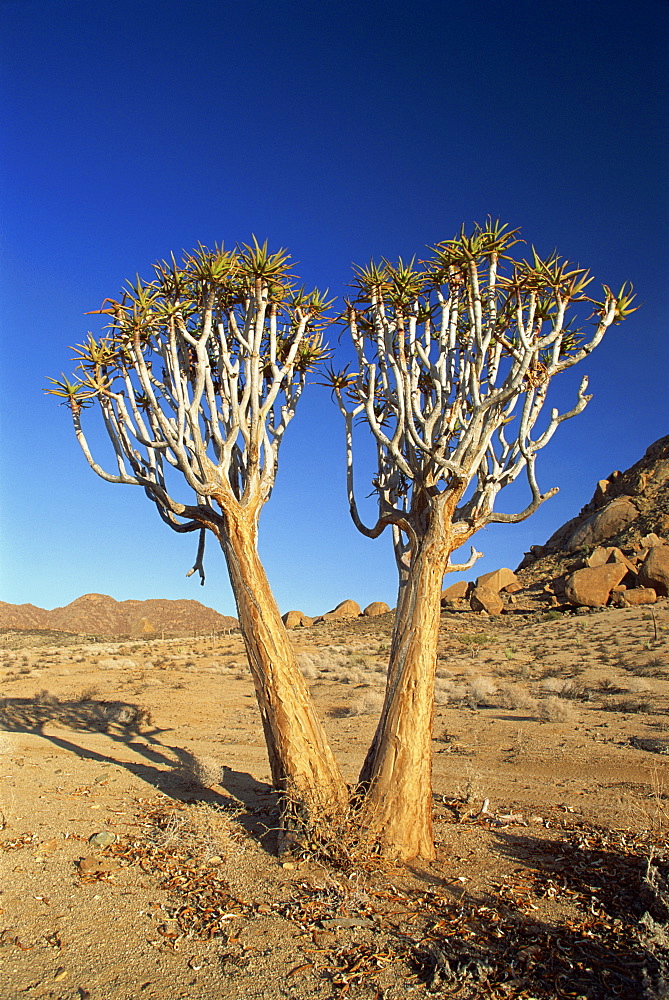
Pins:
x: 100, y: 614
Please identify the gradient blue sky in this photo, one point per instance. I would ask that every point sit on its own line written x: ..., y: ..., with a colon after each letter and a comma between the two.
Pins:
x: 343, y: 131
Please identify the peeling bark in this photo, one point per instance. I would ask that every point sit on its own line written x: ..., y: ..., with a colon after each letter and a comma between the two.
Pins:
x: 397, y: 773
x: 300, y: 757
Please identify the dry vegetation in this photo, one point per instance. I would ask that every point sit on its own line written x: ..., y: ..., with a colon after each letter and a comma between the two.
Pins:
x: 550, y: 775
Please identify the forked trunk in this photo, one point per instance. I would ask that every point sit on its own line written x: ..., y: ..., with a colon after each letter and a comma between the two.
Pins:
x: 300, y: 758
x: 397, y: 807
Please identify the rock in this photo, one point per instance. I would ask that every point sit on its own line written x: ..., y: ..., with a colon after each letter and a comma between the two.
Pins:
x: 601, y: 491
x: 603, y: 524
x: 456, y: 591
x: 649, y: 540
x: 345, y: 609
x: 376, y: 608
x: 295, y: 619
x: 654, y: 570
x: 498, y: 579
x: 484, y: 599
x: 609, y: 553
x: 92, y: 864
x: 512, y: 588
x: 102, y: 839
x: 597, y: 557
x: 616, y: 555
x: 591, y: 587
x: 657, y: 449
x: 634, y: 597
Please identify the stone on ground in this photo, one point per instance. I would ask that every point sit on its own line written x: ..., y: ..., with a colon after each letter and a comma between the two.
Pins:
x: 484, y: 599
x: 591, y: 587
x: 376, y: 608
x: 497, y: 579
x: 654, y: 571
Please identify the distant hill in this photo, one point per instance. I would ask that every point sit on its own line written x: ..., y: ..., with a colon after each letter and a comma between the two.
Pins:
x: 98, y: 614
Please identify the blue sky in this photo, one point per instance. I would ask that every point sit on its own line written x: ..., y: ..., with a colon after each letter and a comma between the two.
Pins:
x: 341, y: 131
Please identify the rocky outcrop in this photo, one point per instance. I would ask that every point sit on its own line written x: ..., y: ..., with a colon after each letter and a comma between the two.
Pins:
x: 609, y: 553
x: 625, y: 507
x: 605, y: 523
x: 626, y: 520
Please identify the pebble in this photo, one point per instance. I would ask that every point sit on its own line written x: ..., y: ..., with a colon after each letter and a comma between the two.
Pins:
x: 102, y: 839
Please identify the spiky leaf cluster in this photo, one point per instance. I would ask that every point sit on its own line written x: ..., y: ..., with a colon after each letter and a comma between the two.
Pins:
x: 455, y: 355
x: 200, y: 368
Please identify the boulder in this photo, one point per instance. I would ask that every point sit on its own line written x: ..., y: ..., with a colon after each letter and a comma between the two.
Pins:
x: 591, y: 587
x: 512, y: 588
x: 456, y: 591
x: 295, y: 619
x: 497, y: 580
x: 603, y: 524
x: 649, y: 540
x: 376, y: 608
x: 654, y: 570
x: 634, y: 597
x: 609, y: 553
x: 616, y: 555
x: 597, y: 557
x: 345, y: 609
x: 484, y: 599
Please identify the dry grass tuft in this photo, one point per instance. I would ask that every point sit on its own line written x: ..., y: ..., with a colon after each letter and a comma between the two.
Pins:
x: 555, y: 709
x: 198, y: 829
x: 197, y: 772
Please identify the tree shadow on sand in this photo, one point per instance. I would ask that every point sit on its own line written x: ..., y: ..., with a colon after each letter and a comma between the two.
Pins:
x: 173, y: 770
x: 586, y: 917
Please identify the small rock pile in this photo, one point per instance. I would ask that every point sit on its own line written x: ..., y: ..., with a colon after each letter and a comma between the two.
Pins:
x: 345, y: 609
x: 490, y: 594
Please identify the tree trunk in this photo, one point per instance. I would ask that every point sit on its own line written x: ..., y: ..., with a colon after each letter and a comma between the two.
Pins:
x: 397, y: 773
x: 300, y: 758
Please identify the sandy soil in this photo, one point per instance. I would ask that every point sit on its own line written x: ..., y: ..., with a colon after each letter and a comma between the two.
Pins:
x: 550, y: 772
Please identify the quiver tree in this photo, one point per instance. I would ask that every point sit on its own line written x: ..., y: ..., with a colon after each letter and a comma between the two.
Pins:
x: 196, y: 381
x: 455, y: 358
x: 199, y: 373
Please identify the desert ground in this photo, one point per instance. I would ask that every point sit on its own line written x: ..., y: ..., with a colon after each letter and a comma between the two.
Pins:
x: 138, y: 827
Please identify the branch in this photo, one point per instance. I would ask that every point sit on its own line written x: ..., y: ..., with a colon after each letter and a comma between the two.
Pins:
x: 462, y: 567
x: 199, y: 559
x: 529, y: 510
